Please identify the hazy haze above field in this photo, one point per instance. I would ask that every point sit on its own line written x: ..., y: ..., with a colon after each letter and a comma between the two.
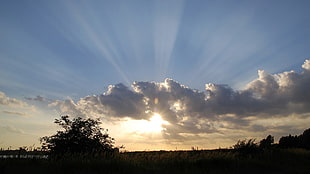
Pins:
x: 159, y: 74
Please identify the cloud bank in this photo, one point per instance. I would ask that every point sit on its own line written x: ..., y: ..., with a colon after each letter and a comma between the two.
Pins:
x: 191, y: 111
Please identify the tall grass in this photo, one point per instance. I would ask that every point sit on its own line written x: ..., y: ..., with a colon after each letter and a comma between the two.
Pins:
x: 213, y: 161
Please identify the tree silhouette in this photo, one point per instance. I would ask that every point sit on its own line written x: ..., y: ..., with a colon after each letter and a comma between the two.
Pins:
x: 300, y: 141
x: 267, y: 142
x: 290, y: 141
x: 80, y: 136
x: 305, y: 140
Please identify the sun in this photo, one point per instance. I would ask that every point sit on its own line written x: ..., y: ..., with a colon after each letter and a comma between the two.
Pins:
x: 153, y: 125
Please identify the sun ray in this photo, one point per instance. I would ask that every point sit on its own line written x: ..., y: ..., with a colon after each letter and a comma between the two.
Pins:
x: 166, y: 28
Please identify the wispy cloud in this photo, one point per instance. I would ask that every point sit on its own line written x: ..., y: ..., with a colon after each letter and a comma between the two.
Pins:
x: 4, y: 100
x: 15, y: 113
x: 12, y: 129
x: 13, y: 106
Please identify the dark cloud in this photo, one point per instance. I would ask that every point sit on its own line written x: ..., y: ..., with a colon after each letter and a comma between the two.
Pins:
x: 118, y: 101
x: 122, y: 102
x: 37, y: 98
x: 222, y: 99
x: 191, y: 111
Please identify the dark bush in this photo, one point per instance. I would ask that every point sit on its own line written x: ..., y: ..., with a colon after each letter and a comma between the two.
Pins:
x: 267, y: 142
x: 246, y: 147
x: 80, y: 136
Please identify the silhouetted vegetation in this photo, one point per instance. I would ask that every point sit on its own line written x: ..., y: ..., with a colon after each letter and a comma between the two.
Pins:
x: 246, y: 156
x: 267, y: 142
x: 301, y: 141
x: 80, y: 137
x: 284, y: 161
x: 246, y: 147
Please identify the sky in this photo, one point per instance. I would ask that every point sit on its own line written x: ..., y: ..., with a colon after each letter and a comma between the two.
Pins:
x: 160, y: 74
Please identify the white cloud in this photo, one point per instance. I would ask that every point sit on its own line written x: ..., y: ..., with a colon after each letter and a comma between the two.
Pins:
x: 306, y: 65
x: 283, y: 93
x: 68, y: 107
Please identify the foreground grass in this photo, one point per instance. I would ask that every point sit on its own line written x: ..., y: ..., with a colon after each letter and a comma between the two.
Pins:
x: 215, y: 161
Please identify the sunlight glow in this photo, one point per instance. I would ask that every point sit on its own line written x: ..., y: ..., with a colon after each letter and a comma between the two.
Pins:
x: 154, y: 125
x: 156, y: 122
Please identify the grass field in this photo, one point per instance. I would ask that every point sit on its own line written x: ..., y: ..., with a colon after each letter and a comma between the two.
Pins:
x: 207, y: 161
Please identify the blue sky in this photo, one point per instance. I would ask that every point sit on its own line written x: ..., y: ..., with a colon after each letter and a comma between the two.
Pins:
x: 78, y: 47
x: 63, y: 50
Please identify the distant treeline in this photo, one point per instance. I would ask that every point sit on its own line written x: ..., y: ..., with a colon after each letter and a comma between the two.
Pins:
x: 250, y: 147
x: 300, y: 141
x: 290, y: 141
